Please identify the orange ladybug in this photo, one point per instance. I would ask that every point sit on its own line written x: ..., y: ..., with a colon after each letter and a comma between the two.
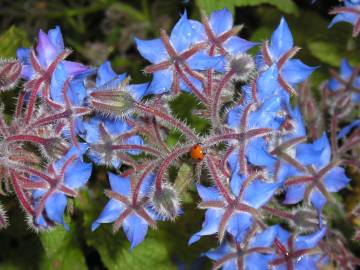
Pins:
x: 197, y: 152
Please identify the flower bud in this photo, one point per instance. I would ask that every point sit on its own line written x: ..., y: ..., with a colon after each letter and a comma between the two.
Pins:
x: 165, y: 202
x: 242, y: 65
x: 3, y: 218
x: 10, y: 71
x: 305, y: 220
x: 115, y: 101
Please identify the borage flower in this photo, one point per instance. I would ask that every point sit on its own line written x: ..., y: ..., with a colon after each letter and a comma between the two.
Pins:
x: 313, y: 176
x: 176, y: 58
x: 296, y: 252
x: 279, y: 52
x: 233, y: 210
x: 128, y: 207
x: 255, y: 253
x: 349, y: 13
x: 50, y: 189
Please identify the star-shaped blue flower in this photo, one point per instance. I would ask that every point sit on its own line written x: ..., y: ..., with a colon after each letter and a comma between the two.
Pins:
x: 61, y: 180
x: 314, y: 176
x: 349, y: 13
x: 296, y: 252
x: 280, y: 51
x: 234, y: 208
x: 128, y: 208
x: 176, y: 58
x: 254, y: 254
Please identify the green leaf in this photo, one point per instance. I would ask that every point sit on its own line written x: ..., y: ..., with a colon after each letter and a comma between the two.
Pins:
x: 116, y: 254
x: 11, y: 40
x: 62, y: 251
x: 286, y: 6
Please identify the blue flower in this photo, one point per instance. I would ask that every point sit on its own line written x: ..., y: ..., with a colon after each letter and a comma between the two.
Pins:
x: 298, y: 251
x: 279, y: 52
x: 314, y: 176
x: 349, y: 13
x: 255, y: 254
x: 128, y: 208
x: 220, y: 34
x: 345, y: 78
x: 49, y: 47
x: 62, y: 178
x: 107, y: 79
x: 233, y: 210
x: 102, y: 134
x: 174, y: 58
x: 347, y: 129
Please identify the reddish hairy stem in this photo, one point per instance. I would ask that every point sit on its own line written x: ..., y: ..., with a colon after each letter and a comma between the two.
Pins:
x: 166, y: 162
x: 219, y: 184
x: 173, y: 122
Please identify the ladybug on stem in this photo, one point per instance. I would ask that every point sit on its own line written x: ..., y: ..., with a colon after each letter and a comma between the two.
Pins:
x: 197, y: 153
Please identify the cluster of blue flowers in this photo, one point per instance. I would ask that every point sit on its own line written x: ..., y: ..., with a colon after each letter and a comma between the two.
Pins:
x: 97, y: 113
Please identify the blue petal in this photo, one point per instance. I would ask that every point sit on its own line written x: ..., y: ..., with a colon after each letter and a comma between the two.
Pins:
x: 317, y: 199
x: 299, y: 128
x: 23, y: 54
x: 234, y: 116
x: 344, y: 17
x: 208, y: 193
x: 147, y: 184
x: 202, y: 61
x: 258, y: 154
x: 209, y: 226
x: 294, y: 194
x: 346, y: 130
x: 265, y: 115
x: 110, y: 213
x: 120, y: 184
x: 58, y: 79
x: 257, y: 261
x: 196, y: 83
x: 138, y: 90
x: 74, y: 151
x: 152, y: 50
x: 294, y: 71
x: 217, y: 254
x: 258, y: 193
x: 281, y: 40
x: 236, y: 182
x: 56, y: 38
x: 136, y: 139
x: 46, y: 51
x: 305, y: 263
x: 221, y: 21
x: 334, y: 85
x: 161, y: 82
x: 336, y: 179
x: 105, y: 74
x: 236, y: 45
x: 239, y: 225
x: 77, y: 174
x: 317, y: 153
x: 115, y: 126
x: 264, y: 238
x: 135, y: 229
x: 282, y: 235
x: 267, y: 84
x: 309, y: 241
x: 345, y: 69
x: 183, y: 35
x: 55, y: 207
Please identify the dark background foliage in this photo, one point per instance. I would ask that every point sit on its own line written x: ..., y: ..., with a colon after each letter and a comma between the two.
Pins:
x: 104, y: 30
